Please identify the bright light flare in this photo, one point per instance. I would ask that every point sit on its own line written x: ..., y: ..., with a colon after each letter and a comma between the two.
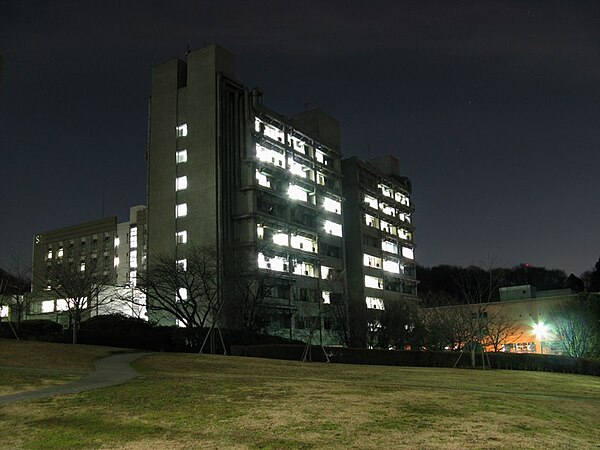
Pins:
x: 540, y: 330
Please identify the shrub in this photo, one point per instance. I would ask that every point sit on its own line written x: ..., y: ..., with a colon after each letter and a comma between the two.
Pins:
x: 40, y: 328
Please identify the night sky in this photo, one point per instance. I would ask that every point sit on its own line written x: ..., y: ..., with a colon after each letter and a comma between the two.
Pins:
x: 491, y: 107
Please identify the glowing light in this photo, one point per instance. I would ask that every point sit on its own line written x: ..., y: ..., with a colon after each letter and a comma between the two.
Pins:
x: 540, y: 330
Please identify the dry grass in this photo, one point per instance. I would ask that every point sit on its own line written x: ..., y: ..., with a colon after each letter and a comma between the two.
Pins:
x: 44, y: 355
x: 28, y: 365
x: 192, y: 401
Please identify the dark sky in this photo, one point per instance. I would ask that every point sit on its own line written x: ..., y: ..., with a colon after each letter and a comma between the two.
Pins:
x: 492, y: 108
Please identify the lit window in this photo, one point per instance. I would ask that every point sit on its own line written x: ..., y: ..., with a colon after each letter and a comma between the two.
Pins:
x: 372, y: 202
x: 304, y: 268
x: 181, y: 210
x: 332, y: 205
x: 280, y: 239
x: 401, y: 198
x: 82, y: 267
x: 182, y: 264
x: 388, y: 227
x: 408, y: 253
x: 133, y: 259
x: 49, y: 256
x: 371, y: 221
x: 386, y: 190
x: 297, y: 193
x: 4, y: 311
x: 269, y: 130
x: 270, y: 156
x: 181, y: 156
x: 333, y: 228
x: 304, y: 243
x: 297, y: 168
x: 133, y: 237
x: 371, y: 261
x: 116, y: 262
x: 391, y: 266
x: 320, y: 156
x: 260, y: 231
x: 387, y: 209
x: 273, y: 132
x: 181, y: 130
x: 374, y: 303
x: 326, y: 296
x: 276, y: 263
x: 117, y: 241
x: 262, y: 179
x: 404, y: 234
x: 62, y: 305
x: 296, y: 144
x: 404, y: 217
x: 373, y: 282
x: 326, y: 273
x: 48, y: 306
x: 180, y: 183
x: 182, y: 294
x: 181, y: 237
x: 59, y: 253
x: 389, y: 246
x: 320, y: 179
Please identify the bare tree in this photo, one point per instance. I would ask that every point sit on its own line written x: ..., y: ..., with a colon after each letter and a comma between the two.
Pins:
x: 337, y: 311
x: 448, y: 325
x: 79, y: 287
x: 577, y: 325
x: 250, y: 290
x: 187, y: 289
x: 501, y: 329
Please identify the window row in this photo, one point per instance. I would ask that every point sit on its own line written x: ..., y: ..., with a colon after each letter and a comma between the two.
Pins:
x: 388, y: 265
x: 297, y: 144
x: 384, y: 207
x: 390, y: 284
x: 389, y: 227
x: 297, y: 168
x: 280, y: 263
x: 282, y: 238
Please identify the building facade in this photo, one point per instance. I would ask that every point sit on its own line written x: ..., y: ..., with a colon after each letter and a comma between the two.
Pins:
x: 263, y: 190
x: 380, y: 257
x: 102, y: 245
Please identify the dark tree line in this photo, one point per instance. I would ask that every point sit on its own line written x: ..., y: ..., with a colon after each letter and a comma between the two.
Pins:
x: 446, y: 280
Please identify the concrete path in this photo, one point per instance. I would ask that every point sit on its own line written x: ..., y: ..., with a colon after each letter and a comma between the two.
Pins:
x: 110, y: 371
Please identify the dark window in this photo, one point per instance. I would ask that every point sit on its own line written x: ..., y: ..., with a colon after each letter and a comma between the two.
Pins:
x: 371, y: 241
x: 330, y: 250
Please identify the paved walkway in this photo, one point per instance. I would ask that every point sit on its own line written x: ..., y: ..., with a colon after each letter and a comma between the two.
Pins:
x: 110, y: 371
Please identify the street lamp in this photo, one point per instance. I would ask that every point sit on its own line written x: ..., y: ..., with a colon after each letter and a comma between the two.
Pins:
x: 541, y: 331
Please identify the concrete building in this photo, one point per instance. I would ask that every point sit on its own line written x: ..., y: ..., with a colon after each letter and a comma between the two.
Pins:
x: 532, y: 313
x: 103, y: 245
x: 379, y: 239
x: 264, y: 190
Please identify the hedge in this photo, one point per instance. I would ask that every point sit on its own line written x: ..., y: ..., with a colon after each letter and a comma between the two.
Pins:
x: 121, y: 331
x: 511, y: 361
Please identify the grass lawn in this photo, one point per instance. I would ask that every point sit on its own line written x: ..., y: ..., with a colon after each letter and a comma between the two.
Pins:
x: 26, y: 365
x: 193, y: 401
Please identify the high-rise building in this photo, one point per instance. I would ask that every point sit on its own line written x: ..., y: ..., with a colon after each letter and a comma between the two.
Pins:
x: 379, y: 240
x: 263, y: 190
